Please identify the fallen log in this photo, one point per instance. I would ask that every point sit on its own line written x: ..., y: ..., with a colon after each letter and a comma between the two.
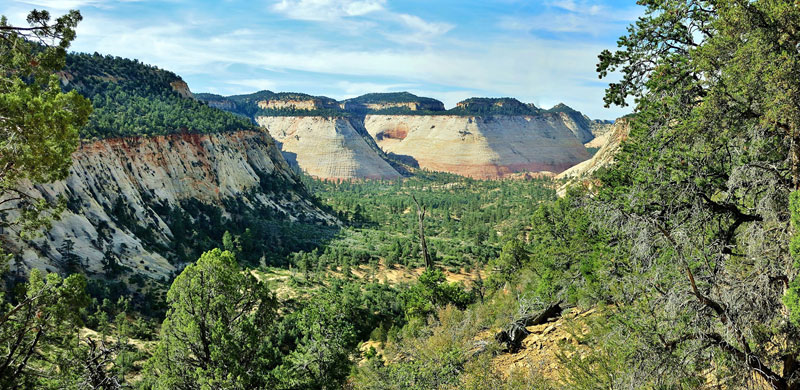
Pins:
x: 517, y: 330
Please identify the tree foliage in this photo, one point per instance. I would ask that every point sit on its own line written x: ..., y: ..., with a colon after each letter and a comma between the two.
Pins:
x: 131, y: 99
x: 216, y: 334
x: 698, y: 199
x: 38, y: 123
x: 39, y: 329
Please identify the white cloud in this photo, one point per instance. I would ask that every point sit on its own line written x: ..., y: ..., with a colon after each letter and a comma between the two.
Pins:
x: 422, y: 26
x: 571, y: 16
x: 529, y: 69
x: 569, y: 5
x: 63, y: 5
x: 326, y: 10
x: 252, y: 85
x: 374, y: 17
x: 418, y: 31
x: 351, y: 89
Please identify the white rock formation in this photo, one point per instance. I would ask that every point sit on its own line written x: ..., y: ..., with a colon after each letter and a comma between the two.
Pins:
x: 327, y: 148
x: 149, y: 175
x: 480, y: 147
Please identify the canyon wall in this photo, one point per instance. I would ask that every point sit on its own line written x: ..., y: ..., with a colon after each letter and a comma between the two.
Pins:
x: 484, y: 147
x: 122, y: 195
x: 296, y: 104
x: 327, y: 147
x: 486, y: 138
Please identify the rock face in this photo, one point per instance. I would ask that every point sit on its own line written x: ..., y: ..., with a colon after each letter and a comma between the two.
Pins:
x: 582, y: 172
x: 387, y: 101
x: 182, y: 88
x: 484, y: 138
x: 602, y: 130
x: 579, y: 124
x: 327, y: 147
x: 484, y: 147
x: 488, y: 104
x: 297, y: 104
x: 222, y: 104
x: 411, y: 106
x: 122, y: 192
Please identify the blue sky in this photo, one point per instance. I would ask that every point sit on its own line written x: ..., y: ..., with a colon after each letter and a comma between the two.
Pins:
x: 543, y: 52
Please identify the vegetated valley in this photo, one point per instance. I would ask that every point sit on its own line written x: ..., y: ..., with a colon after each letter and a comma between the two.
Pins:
x: 157, y: 239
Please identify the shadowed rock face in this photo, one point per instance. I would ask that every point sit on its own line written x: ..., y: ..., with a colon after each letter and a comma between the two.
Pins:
x: 150, y: 177
x: 327, y: 148
x: 584, y: 128
x: 481, y: 147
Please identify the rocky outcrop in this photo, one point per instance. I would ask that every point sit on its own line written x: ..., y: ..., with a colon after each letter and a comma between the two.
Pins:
x: 395, y: 101
x: 544, y: 346
x: 484, y: 138
x: 580, y: 125
x: 222, y: 104
x: 484, y: 147
x: 478, y: 105
x: 327, y: 147
x: 581, y: 173
x: 602, y: 130
x: 296, y: 104
x: 122, y: 195
x: 411, y: 106
x: 182, y: 89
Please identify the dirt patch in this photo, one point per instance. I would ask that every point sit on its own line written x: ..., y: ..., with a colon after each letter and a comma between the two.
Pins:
x: 397, y: 275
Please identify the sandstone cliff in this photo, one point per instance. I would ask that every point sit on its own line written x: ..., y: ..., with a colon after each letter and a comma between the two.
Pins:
x: 483, y: 147
x: 602, y: 130
x: 182, y: 89
x: 327, y: 148
x: 501, y: 105
x: 296, y: 104
x: 395, y: 101
x: 126, y: 196
x: 484, y: 138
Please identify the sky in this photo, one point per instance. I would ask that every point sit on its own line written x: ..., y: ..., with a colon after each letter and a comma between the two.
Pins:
x: 541, y: 52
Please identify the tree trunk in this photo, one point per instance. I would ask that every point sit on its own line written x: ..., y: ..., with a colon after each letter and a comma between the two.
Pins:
x: 423, y: 245
x: 795, y: 146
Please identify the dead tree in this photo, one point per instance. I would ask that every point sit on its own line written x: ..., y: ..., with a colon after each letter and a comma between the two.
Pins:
x: 423, y: 245
x: 99, y: 357
x: 517, y: 330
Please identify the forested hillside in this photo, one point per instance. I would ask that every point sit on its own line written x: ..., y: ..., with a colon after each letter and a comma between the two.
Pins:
x: 130, y: 98
x: 248, y: 106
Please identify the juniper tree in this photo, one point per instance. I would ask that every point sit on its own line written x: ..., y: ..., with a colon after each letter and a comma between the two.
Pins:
x: 38, y: 122
x: 217, y: 333
x: 699, y: 193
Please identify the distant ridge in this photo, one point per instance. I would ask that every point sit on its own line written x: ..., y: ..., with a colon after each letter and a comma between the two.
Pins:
x: 379, y: 135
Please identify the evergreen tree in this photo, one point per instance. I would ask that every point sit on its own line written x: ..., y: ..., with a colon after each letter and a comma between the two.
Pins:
x: 39, y: 329
x: 218, y: 329
x: 698, y: 198
x: 38, y: 123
